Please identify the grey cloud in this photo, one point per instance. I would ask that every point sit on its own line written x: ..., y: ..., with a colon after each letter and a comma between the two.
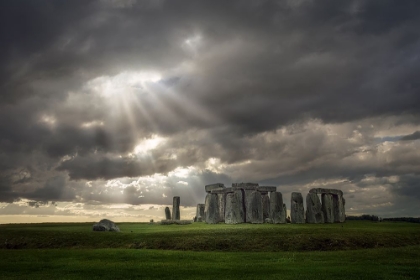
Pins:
x: 413, y: 136
x: 259, y: 72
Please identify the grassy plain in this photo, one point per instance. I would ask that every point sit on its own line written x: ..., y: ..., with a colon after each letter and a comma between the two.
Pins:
x: 353, y: 250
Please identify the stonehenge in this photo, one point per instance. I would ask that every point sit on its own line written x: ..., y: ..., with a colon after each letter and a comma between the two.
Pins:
x: 211, y: 208
x: 297, y: 212
x: 255, y: 207
x: 234, y: 211
x: 314, y: 214
x: 251, y: 203
x: 199, y: 214
x: 167, y: 213
x: 277, y: 212
x: 176, y: 216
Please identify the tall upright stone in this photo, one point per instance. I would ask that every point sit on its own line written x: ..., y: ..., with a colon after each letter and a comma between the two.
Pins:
x: 276, y: 208
x: 234, y: 211
x: 199, y: 214
x: 284, y: 213
x: 314, y: 214
x: 255, y: 208
x: 339, y: 209
x: 167, y: 213
x: 297, y: 212
x: 211, y: 208
x: 221, y: 197
x: 327, y: 207
x: 338, y: 202
x: 266, y: 205
x: 176, y: 215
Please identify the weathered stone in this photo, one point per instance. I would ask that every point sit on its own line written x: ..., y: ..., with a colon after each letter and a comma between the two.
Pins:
x: 314, y: 213
x: 255, y: 208
x: 176, y: 215
x: 221, y: 197
x: 244, y: 185
x: 211, y: 209
x: 105, y: 225
x: 247, y: 199
x: 338, y: 209
x: 297, y: 212
x: 199, y: 212
x: 284, y: 213
x: 167, y: 213
x: 327, y: 207
x: 234, y: 211
x: 266, y: 205
x: 329, y: 191
x: 266, y: 189
x: 276, y: 208
x: 211, y: 187
x: 268, y: 221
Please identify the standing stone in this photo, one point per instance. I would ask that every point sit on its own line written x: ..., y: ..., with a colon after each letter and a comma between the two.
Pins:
x: 314, y: 213
x: 221, y: 197
x: 327, y: 207
x: 266, y: 205
x: 255, y: 208
x: 199, y: 214
x: 234, y: 211
x: 276, y: 208
x: 284, y: 213
x: 167, y: 213
x: 297, y: 212
x: 211, y: 209
x: 338, y: 209
x: 176, y: 216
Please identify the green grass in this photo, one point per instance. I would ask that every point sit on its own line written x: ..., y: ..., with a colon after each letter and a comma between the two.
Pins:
x: 353, y: 250
x: 221, y: 237
x: 384, y: 263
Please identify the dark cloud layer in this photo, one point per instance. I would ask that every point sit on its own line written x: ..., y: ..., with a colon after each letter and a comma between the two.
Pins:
x: 289, y: 93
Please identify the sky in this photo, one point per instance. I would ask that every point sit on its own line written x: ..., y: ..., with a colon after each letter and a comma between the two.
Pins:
x: 109, y: 108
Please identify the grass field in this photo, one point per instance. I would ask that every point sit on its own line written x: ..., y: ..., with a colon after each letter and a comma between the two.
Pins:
x: 353, y: 250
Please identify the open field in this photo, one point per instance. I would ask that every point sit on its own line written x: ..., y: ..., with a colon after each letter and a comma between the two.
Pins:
x: 354, y: 250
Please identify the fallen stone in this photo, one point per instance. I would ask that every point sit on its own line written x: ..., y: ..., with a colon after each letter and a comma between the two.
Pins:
x: 234, y: 211
x: 105, y: 225
x: 167, y: 213
x: 178, y: 222
x: 327, y: 207
x: 297, y: 212
x: 176, y: 215
x: 268, y: 221
x: 211, y: 187
x: 314, y: 214
x: 276, y: 208
x: 211, y: 209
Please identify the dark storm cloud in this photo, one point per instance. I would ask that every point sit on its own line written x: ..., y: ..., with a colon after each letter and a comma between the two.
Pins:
x: 240, y: 81
x: 413, y: 136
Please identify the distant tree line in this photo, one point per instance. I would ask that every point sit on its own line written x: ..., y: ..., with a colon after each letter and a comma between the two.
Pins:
x: 403, y: 219
x: 375, y: 218
x: 363, y: 217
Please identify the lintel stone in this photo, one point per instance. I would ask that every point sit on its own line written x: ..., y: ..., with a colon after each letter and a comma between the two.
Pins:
x: 211, y: 187
x: 267, y: 189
